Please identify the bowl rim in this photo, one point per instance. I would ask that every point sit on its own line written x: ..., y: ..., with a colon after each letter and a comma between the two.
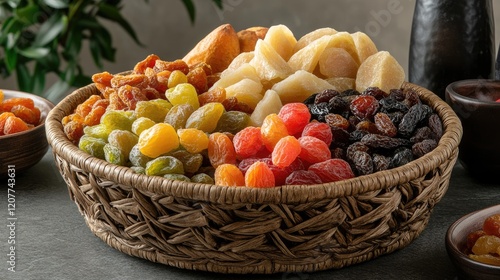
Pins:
x: 473, y: 216
x: 450, y: 90
x: 36, y: 99
x: 446, y: 150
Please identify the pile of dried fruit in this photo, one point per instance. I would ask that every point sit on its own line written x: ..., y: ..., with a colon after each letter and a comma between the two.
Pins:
x: 17, y: 114
x: 484, y: 245
x: 323, y: 108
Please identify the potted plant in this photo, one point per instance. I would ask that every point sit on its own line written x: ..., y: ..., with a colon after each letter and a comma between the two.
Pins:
x: 42, y: 37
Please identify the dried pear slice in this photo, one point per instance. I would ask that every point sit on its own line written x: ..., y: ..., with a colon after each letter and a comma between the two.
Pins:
x: 345, y: 41
x: 307, y: 58
x: 298, y: 86
x: 282, y: 40
x: 268, y: 63
x: 246, y: 91
x: 380, y: 70
x: 313, y: 36
x: 230, y: 77
x: 337, y: 62
x: 270, y: 104
x: 364, y: 44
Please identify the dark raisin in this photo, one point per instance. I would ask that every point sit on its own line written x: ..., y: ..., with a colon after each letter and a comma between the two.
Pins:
x: 375, y: 92
x: 356, y: 147
x: 382, y: 141
x: 397, y: 94
x: 389, y: 104
x: 337, y: 105
x: 396, y: 117
x: 380, y: 162
x: 411, y: 98
x: 421, y: 148
x: 350, y: 92
x: 362, y: 162
x: 340, y: 137
x: 338, y: 153
x: 421, y: 134
x: 384, y: 125
x: 310, y: 99
x: 436, y: 126
x: 325, y: 95
x: 319, y: 111
x: 401, y: 157
x: 337, y: 121
x: 356, y: 135
x: 412, y: 118
x: 367, y: 126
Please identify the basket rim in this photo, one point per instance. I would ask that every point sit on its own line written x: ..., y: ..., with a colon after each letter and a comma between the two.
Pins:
x: 290, y: 194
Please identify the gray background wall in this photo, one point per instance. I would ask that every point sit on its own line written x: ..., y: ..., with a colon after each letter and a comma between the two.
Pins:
x: 165, y: 29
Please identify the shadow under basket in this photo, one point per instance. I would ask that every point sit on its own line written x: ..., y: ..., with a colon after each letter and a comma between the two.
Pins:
x: 243, y: 230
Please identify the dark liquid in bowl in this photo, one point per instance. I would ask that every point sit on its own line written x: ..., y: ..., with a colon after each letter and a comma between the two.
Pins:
x: 486, y: 92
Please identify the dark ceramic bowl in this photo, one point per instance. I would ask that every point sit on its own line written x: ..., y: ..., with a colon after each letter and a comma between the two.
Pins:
x: 24, y: 149
x: 474, y: 103
x: 456, y: 238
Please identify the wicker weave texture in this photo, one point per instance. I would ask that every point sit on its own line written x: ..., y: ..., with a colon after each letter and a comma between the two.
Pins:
x: 244, y: 230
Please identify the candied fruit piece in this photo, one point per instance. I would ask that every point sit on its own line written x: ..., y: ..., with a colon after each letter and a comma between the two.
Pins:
x: 148, y: 62
x: 73, y: 130
x: 193, y: 140
x: 178, y: 115
x: 215, y: 94
x: 176, y: 78
x: 137, y: 158
x: 259, y: 175
x: 486, y: 258
x: 183, y: 93
x: 286, y: 151
x: 332, y: 170
x: 29, y: 116
x: 164, y: 165
x: 130, y: 80
x: 7, y: 104
x: 130, y: 96
x: 248, y: 142
x: 198, y: 78
x: 13, y: 125
x: 229, y: 175
x: 152, y: 110
x: 220, y: 149
x: 191, y: 162
x: 337, y: 121
x: 295, y: 116
x: 319, y: 130
x: 232, y: 122
x: 114, y: 155
x: 313, y: 150
x: 364, y: 106
x: 124, y: 140
x: 159, y: 139
x: 97, y: 131
x: 381, y: 70
x: 385, y: 125
x: 177, y: 177
x: 303, y: 177
x: 491, y: 225
x: 141, y: 124
x: 472, y: 238
x: 92, y: 146
x: 270, y: 104
x: 3, y: 117
x: 486, y: 244
x: 206, y: 117
x: 178, y: 64
x: 202, y: 178
x: 118, y: 119
x: 272, y: 130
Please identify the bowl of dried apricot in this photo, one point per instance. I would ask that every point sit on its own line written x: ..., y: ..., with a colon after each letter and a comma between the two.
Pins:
x: 473, y: 243
x: 22, y: 129
x: 294, y: 155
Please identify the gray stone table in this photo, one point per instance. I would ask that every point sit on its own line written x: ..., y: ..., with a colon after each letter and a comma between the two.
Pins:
x: 53, y: 242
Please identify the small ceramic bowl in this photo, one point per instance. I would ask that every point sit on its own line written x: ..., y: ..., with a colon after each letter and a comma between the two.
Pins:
x: 474, y: 101
x: 22, y: 150
x: 456, y: 238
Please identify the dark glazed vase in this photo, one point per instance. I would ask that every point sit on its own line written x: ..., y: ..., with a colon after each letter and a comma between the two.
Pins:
x: 451, y: 40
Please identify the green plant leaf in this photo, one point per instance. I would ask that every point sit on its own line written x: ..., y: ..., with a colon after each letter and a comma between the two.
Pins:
x: 96, y: 53
x: 13, y: 3
x: 57, y: 4
x: 190, y: 9
x: 12, y: 40
x: 51, y: 29
x: 113, y: 14
x: 38, y: 84
x: 34, y: 52
x: 24, y: 80
x: 28, y: 14
x: 103, y: 39
x: 10, y: 59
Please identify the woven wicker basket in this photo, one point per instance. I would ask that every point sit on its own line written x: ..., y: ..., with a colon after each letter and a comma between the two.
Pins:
x: 244, y: 230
